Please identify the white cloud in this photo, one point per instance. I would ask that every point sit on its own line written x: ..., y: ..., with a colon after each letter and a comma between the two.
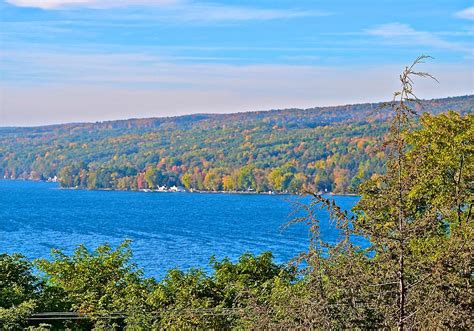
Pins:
x: 61, y: 4
x: 467, y: 13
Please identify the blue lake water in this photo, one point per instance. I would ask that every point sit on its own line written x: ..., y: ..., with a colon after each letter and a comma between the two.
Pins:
x: 169, y: 230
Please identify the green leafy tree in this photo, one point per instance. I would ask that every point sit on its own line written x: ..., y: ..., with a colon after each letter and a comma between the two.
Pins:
x: 100, y: 283
x: 194, y: 299
x: 229, y: 182
x: 19, y: 291
x: 212, y: 181
x: 276, y: 179
x: 187, y: 181
x: 92, y: 181
x: 245, y: 178
x: 151, y: 177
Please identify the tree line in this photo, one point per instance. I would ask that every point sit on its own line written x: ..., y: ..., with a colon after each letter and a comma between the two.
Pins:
x: 245, y: 179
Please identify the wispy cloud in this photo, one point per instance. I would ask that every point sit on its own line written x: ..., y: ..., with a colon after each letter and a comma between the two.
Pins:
x: 64, y: 4
x: 467, y: 13
x: 215, y: 12
x: 174, y: 10
x: 405, y: 35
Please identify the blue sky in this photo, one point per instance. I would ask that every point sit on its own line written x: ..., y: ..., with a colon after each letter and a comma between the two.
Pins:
x: 89, y: 60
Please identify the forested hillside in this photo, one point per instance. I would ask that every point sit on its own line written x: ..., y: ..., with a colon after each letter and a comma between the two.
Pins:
x: 327, y: 148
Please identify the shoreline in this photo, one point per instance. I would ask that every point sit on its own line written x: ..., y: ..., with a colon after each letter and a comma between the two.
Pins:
x: 184, y: 191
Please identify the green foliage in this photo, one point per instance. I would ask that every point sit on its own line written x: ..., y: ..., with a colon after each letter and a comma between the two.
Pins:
x: 17, y: 284
x: 107, y: 288
x: 100, y: 282
x: 194, y: 299
x: 13, y: 318
x: 19, y: 290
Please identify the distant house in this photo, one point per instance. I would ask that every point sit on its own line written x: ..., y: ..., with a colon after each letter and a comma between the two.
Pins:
x: 175, y: 188
x: 53, y: 180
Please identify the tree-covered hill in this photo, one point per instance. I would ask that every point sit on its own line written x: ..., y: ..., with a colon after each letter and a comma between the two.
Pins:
x: 324, y: 148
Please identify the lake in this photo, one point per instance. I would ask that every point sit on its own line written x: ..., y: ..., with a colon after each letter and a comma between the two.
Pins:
x: 169, y: 230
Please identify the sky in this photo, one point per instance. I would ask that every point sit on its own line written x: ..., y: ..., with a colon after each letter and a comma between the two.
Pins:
x: 94, y: 60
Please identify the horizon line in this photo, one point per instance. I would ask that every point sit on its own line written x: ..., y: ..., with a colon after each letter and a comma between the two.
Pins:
x: 214, y: 114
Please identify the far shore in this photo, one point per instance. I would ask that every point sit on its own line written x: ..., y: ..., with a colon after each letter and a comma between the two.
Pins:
x: 182, y: 191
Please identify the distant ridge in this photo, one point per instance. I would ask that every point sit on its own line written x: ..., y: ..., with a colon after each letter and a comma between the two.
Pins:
x: 321, y: 148
x: 356, y: 111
